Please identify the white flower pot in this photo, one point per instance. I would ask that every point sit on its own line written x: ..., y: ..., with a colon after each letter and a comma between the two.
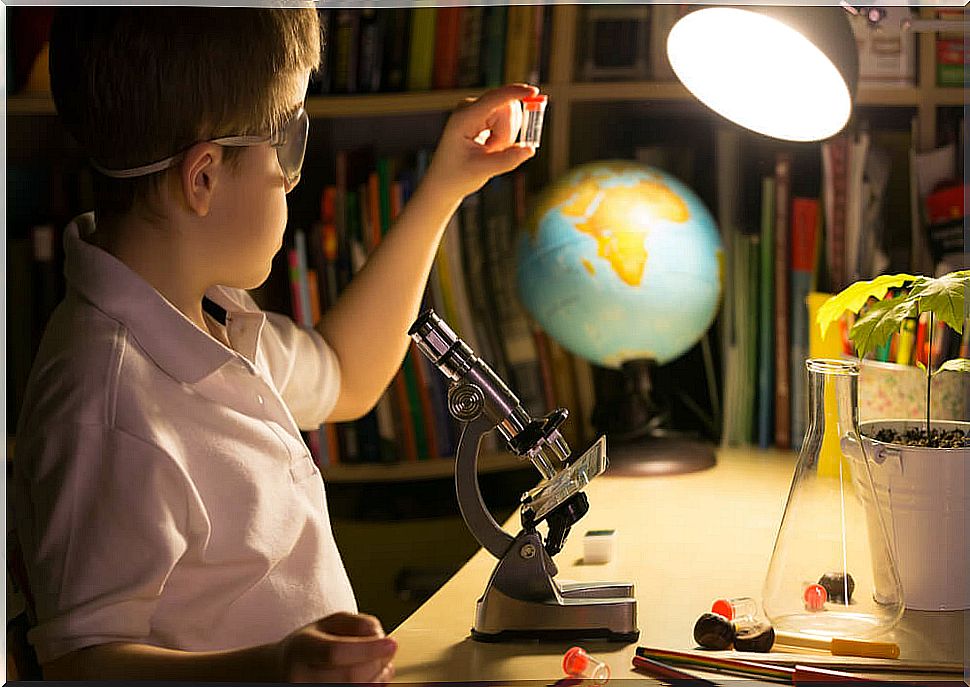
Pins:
x: 925, y: 490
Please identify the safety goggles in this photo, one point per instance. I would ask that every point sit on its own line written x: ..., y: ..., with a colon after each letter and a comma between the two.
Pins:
x: 289, y: 142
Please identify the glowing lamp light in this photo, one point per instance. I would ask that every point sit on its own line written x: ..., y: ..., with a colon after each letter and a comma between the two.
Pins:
x: 786, y: 72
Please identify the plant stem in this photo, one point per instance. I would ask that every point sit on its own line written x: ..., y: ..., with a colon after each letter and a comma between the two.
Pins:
x: 929, y: 374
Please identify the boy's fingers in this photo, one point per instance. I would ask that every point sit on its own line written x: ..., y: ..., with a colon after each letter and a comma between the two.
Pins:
x: 351, y: 625
x: 348, y: 651
x: 492, y: 100
x: 505, y: 124
x: 508, y: 159
x: 385, y: 676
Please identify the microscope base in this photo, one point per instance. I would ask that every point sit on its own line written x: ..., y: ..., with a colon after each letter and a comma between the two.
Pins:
x: 584, y: 611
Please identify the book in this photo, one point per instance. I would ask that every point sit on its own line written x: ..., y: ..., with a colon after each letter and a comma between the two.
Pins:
x: 397, y: 41
x: 533, y: 75
x: 444, y: 70
x: 783, y: 173
x: 856, y: 198
x: 835, y: 169
x: 370, y: 63
x: 346, y: 44
x: 804, y: 228
x: 519, y: 37
x: 470, y: 46
x: 494, y: 24
x: 498, y: 244
x: 766, y: 306
x: 422, y: 48
x: 565, y: 393
x: 320, y: 80
x: 484, y: 316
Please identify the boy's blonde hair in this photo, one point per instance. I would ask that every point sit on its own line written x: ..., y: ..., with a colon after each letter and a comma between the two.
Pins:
x: 137, y: 84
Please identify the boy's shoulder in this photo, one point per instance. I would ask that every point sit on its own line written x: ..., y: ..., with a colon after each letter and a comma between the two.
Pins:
x: 85, y: 360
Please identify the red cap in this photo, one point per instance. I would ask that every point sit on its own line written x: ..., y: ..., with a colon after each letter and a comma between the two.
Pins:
x: 534, y: 103
x: 723, y: 607
x: 575, y: 662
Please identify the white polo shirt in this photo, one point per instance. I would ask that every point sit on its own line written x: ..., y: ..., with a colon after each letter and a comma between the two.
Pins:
x: 162, y: 492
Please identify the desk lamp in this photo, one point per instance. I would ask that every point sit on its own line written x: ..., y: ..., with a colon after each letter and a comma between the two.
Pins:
x: 786, y: 72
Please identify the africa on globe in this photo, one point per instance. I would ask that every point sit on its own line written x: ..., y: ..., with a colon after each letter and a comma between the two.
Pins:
x: 621, y: 261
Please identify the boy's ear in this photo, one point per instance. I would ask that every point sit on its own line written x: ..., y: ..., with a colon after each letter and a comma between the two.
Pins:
x: 199, y: 172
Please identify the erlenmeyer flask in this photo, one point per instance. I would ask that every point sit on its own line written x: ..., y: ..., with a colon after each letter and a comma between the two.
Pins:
x: 833, y: 571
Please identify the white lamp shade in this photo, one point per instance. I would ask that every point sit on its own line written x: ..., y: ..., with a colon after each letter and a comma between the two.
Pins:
x: 786, y: 72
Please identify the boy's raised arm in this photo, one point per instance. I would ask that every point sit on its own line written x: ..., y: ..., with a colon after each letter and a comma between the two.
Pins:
x: 367, y: 327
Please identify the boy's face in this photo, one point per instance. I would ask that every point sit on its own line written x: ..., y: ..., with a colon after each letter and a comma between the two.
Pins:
x: 252, y: 210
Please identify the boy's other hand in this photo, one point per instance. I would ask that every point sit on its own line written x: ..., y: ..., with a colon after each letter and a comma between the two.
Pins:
x: 343, y: 647
x: 479, y: 141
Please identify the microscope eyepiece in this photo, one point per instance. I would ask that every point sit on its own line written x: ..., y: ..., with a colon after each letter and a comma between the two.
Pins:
x: 439, y: 343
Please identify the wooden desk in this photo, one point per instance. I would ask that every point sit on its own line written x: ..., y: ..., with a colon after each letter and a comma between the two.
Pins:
x: 683, y: 540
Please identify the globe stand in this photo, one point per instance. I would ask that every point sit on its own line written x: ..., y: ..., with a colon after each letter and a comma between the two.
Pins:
x: 640, y: 442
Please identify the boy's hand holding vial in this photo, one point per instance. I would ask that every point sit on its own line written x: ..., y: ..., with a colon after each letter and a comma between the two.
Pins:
x: 481, y: 140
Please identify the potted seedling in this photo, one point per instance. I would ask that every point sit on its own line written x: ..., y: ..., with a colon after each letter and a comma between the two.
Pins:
x: 920, y: 465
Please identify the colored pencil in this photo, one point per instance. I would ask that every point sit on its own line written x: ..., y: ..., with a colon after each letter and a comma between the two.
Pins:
x: 798, y: 675
x: 665, y: 672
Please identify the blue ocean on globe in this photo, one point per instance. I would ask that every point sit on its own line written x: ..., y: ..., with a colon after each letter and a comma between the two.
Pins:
x: 621, y: 261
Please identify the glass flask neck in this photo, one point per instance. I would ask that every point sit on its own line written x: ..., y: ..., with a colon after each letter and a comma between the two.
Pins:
x: 833, y: 394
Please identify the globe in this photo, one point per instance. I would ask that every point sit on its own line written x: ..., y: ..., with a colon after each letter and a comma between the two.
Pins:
x: 621, y: 261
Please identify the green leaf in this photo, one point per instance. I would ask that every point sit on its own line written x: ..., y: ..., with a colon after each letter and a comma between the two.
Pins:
x: 944, y: 297
x: 882, y: 320
x: 956, y: 365
x: 920, y: 365
x: 857, y: 295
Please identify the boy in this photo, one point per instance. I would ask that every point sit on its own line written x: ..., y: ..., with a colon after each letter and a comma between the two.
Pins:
x: 172, y: 521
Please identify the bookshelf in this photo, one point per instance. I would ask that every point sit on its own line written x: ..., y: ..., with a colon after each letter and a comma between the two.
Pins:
x: 489, y: 462
x: 570, y: 101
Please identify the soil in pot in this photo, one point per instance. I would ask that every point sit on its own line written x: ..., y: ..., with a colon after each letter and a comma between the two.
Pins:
x: 938, y: 438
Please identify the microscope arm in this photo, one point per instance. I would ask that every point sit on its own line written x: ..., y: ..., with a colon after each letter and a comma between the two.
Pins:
x: 477, y: 516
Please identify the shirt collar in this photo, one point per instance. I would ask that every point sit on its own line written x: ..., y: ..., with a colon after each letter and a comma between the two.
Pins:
x: 166, y: 335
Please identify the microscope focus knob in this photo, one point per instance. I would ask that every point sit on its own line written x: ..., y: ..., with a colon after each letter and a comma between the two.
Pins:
x: 465, y: 402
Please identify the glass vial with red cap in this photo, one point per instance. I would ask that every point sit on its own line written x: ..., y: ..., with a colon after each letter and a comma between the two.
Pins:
x: 578, y: 663
x: 743, y: 611
x: 533, y: 110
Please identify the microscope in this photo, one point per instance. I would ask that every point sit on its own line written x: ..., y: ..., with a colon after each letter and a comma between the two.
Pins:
x: 523, y: 599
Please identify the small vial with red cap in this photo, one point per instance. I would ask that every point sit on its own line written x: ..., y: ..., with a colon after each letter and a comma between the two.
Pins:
x: 534, y: 109
x: 741, y: 608
x: 578, y: 663
x: 815, y: 597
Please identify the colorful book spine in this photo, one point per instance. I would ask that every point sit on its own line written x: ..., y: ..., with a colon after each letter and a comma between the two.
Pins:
x: 345, y: 50
x: 296, y: 298
x: 766, y: 303
x: 370, y: 63
x: 494, y: 24
x: 781, y: 319
x: 421, y: 57
x: 804, y: 223
x: 470, y: 47
x: 518, y: 43
x: 444, y: 70
x: 397, y: 37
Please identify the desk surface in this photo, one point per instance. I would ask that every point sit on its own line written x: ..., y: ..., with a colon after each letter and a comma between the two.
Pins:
x: 684, y: 541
